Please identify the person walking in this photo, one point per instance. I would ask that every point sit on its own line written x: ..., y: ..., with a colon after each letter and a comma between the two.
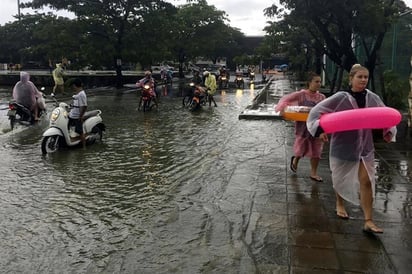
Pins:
x: 210, y: 84
x: 58, y: 79
x: 351, y: 155
x: 305, y: 145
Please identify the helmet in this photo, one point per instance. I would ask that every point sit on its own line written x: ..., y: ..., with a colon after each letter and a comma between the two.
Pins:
x: 205, y: 73
x: 147, y: 73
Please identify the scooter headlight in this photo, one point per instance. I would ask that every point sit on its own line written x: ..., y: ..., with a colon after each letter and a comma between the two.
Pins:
x: 54, y: 115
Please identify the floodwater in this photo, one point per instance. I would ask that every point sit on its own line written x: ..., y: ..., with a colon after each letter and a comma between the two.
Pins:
x: 170, y: 191
x: 124, y: 205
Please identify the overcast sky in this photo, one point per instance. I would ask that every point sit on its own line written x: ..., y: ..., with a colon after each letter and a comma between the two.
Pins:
x: 247, y: 15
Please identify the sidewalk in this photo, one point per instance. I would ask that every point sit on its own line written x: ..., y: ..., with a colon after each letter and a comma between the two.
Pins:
x: 317, y: 240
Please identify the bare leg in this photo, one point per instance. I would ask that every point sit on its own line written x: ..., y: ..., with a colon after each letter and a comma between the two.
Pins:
x: 36, y: 113
x: 213, y: 99
x: 367, y: 199
x: 140, y: 103
x: 340, y: 207
x: 314, y: 163
x: 83, y: 139
x: 296, y: 161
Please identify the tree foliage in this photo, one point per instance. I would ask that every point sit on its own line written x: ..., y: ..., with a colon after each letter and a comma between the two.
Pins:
x: 139, y: 31
x: 348, y: 32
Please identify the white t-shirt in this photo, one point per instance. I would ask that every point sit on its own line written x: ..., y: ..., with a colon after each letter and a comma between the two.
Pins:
x: 79, y: 100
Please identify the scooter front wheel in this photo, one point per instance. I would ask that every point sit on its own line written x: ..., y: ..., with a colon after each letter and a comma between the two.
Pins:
x: 50, y: 144
x: 97, y: 133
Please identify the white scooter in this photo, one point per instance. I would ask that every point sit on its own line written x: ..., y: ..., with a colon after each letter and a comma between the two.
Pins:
x: 59, y: 134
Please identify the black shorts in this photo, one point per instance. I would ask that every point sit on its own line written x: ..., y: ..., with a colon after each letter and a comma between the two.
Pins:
x: 78, y: 125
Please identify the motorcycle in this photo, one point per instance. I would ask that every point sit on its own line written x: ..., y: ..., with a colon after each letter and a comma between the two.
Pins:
x: 194, y: 98
x: 60, y: 135
x: 223, y: 81
x: 251, y: 76
x: 147, y: 98
x: 18, y: 113
x: 239, y: 82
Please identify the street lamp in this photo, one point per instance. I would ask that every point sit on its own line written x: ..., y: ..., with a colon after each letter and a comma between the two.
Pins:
x: 395, y: 39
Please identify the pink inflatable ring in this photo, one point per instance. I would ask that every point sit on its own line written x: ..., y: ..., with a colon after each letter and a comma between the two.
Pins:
x: 361, y: 118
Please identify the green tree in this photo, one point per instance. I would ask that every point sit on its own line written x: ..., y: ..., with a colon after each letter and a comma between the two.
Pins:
x: 107, y: 23
x: 37, y: 37
x: 340, y: 28
x: 201, y: 31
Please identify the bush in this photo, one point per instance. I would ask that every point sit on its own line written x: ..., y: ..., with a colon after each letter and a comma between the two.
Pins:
x: 396, y: 90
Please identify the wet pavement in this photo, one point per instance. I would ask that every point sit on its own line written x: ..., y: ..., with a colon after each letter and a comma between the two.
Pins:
x: 215, y: 198
x: 297, y: 217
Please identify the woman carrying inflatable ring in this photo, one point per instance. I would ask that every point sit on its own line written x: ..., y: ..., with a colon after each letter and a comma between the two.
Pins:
x: 305, y: 145
x: 351, y: 154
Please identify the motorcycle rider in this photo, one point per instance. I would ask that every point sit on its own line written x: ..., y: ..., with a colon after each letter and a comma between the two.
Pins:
x: 197, y: 80
x: 210, y: 84
x: 198, y: 96
x: 25, y: 93
x: 223, y: 73
x: 148, y: 80
x: 78, y: 109
x: 239, y: 79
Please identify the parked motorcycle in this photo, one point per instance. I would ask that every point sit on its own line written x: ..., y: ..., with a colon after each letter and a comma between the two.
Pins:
x: 60, y: 135
x: 18, y: 113
x: 147, y: 98
x: 239, y: 82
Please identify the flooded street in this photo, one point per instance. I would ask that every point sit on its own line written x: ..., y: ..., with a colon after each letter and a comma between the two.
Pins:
x: 171, y: 191
x: 149, y: 198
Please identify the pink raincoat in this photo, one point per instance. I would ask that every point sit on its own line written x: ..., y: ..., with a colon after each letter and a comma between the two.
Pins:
x: 305, y: 144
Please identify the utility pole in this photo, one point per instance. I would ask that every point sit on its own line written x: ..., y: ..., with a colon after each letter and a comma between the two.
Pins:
x: 18, y: 9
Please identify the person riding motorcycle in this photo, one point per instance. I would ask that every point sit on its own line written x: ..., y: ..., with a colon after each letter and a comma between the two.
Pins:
x: 239, y: 79
x: 196, y: 78
x: 147, y: 80
x: 78, y: 109
x: 223, y: 77
x: 198, y: 95
x: 25, y: 93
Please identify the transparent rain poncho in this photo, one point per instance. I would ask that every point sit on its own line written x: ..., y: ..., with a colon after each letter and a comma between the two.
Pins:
x: 25, y: 92
x: 348, y: 148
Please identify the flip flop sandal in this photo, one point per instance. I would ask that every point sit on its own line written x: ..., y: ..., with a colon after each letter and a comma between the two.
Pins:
x: 316, y: 179
x: 292, y: 167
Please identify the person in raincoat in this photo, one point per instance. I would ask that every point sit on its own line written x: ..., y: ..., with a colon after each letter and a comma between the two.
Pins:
x: 58, y: 79
x: 26, y: 94
x: 351, y: 155
x: 305, y: 145
x: 210, y: 84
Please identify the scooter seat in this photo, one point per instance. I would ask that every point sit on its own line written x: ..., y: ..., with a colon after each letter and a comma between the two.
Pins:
x: 91, y: 113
